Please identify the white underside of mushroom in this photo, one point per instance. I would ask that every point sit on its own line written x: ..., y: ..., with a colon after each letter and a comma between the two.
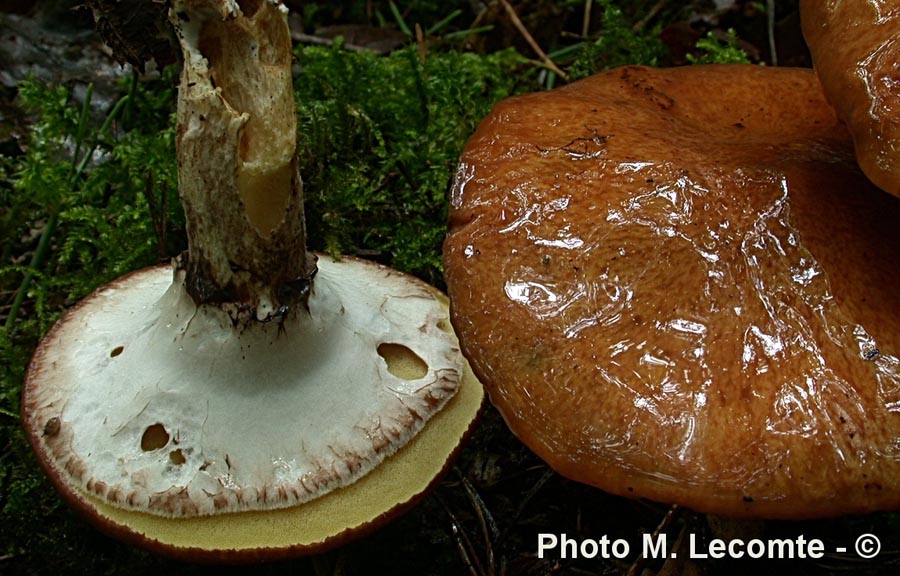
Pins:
x: 262, y: 417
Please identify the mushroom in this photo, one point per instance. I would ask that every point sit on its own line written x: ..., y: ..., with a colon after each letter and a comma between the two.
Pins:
x: 855, y: 45
x: 676, y: 284
x: 257, y: 401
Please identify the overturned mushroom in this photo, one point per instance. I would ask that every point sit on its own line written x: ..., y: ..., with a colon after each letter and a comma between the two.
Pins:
x: 260, y: 402
x: 856, y: 49
x: 677, y: 285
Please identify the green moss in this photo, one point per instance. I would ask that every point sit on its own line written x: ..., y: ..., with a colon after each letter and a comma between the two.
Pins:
x: 712, y: 49
x: 82, y: 184
x: 380, y: 138
x: 617, y: 44
x: 91, y: 178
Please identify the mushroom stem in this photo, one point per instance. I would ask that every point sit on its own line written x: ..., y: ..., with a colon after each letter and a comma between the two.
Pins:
x: 230, y: 422
x: 237, y: 167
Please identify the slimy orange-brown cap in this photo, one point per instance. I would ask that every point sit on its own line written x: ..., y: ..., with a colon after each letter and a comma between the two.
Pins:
x: 676, y: 284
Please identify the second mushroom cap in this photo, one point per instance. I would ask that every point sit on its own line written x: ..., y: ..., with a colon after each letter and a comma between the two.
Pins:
x: 676, y: 284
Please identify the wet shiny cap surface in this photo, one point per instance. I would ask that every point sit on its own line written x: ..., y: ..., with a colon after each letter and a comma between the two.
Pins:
x: 676, y: 284
x: 855, y: 46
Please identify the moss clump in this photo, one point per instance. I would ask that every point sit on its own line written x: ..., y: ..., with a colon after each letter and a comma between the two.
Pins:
x: 617, y: 44
x: 713, y: 49
x: 79, y: 207
x: 380, y: 138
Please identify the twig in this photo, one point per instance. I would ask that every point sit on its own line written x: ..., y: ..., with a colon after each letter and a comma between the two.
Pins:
x: 531, y: 41
x: 526, y: 498
x: 486, y: 521
x: 421, y: 47
x: 463, y: 545
x: 639, y: 25
x: 36, y: 259
x: 319, y: 41
x: 483, y: 12
x: 638, y: 566
x: 770, y: 23
x: 586, y: 25
x: 75, y: 173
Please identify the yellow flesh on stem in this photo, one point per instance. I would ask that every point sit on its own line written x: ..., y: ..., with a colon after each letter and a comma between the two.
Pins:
x: 265, y: 196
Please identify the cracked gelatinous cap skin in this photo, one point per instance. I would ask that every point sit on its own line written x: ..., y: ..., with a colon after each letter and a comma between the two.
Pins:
x: 855, y: 46
x: 676, y: 284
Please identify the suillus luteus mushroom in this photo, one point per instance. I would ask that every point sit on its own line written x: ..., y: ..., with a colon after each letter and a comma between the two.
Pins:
x: 676, y: 284
x: 255, y: 400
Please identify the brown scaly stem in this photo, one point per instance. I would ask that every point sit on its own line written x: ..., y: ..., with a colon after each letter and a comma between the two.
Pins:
x: 237, y: 168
